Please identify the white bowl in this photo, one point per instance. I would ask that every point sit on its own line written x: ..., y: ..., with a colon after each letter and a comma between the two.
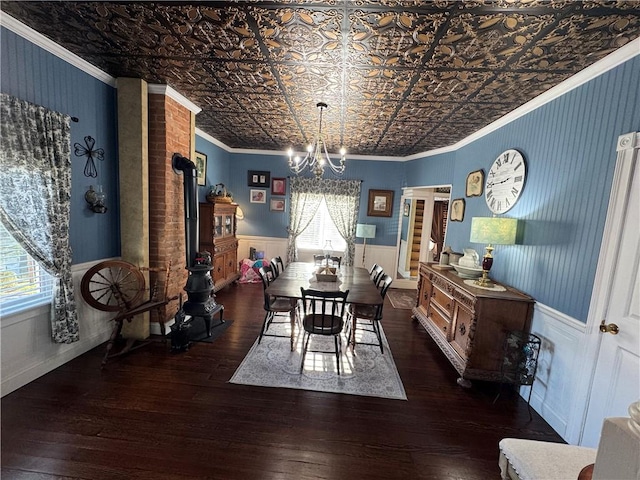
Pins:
x: 468, y: 272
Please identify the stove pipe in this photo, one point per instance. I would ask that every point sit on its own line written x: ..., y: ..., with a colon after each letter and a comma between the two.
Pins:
x: 183, y: 165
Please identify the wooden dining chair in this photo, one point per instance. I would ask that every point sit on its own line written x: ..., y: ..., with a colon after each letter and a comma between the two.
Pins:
x: 370, y: 314
x: 318, y: 259
x: 275, y: 270
x: 273, y: 306
x: 323, y: 315
x: 376, y: 273
x: 337, y: 261
x: 280, y: 264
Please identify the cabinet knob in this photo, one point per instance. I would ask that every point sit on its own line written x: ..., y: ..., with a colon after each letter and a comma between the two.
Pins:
x: 462, y: 328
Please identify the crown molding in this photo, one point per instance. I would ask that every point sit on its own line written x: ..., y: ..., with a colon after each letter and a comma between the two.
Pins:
x: 623, y: 54
x: 161, y: 89
x: 50, y: 46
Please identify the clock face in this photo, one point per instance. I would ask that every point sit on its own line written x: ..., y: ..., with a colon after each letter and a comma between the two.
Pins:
x: 505, y: 181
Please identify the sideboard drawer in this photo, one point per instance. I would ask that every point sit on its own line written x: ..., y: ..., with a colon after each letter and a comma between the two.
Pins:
x: 441, y: 321
x: 443, y: 300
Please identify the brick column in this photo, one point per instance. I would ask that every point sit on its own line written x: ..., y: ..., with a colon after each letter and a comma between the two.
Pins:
x: 171, y: 130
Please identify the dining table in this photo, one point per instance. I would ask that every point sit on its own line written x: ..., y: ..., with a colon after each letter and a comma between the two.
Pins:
x: 362, y: 290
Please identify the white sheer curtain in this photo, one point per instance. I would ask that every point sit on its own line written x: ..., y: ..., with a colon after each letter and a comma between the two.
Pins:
x: 305, y: 198
x: 343, y: 201
x: 35, y: 202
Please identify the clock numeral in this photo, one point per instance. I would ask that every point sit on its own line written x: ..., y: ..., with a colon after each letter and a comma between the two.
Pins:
x: 514, y: 191
x: 505, y: 158
x: 518, y: 178
x: 518, y: 166
x: 506, y: 200
x: 489, y: 195
x: 492, y: 202
x: 499, y: 206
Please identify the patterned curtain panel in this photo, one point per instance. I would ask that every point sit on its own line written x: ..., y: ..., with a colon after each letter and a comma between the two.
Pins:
x: 343, y: 203
x: 35, y: 186
x: 305, y: 198
x: 343, y: 200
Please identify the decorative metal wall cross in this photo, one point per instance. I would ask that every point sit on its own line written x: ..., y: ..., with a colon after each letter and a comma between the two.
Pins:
x: 90, y: 153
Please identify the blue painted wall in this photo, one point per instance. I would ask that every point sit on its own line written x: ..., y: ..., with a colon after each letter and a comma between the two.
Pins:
x: 260, y: 221
x: 569, y: 145
x: 217, y: 166
x: 33, y: 74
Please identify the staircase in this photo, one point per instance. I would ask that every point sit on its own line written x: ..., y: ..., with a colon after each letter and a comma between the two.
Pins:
x: 415, y: 240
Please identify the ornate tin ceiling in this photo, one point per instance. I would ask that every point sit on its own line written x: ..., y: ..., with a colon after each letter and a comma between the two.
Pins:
x: 400, y: 76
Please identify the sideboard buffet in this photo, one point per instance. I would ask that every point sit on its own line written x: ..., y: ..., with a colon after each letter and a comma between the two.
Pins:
x: 468, y: 323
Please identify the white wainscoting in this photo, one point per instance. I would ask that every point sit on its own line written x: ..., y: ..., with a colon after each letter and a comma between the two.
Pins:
x: 385, y: 256
x: 27, y: 349
x: 554, y: 390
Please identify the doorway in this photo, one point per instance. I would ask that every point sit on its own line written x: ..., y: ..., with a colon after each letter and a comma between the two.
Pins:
x: 421, y: 230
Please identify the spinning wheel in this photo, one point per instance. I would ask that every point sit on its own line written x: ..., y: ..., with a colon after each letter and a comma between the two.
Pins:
x: 113, y: 286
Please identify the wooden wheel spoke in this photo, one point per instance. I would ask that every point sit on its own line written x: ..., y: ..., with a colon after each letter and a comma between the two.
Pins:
x: 112, y: 285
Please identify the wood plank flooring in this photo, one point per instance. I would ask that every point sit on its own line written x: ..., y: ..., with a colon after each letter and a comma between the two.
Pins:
x: 158, y: 415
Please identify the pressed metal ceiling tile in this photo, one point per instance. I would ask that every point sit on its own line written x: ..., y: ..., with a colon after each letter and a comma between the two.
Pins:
x: 400, y: 76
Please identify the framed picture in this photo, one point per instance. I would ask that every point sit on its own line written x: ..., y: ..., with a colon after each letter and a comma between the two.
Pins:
x: 457, y: 210
x: 380, y: 203
x: 201, y: 168
x: 256, y: 178
x: 277, y: 204
x: 278, y: 186
x: 475, y: 184
x: 257, y: 196
x: 407, y: 207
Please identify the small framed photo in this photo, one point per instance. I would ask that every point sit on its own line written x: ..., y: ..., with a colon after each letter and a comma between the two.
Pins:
x: 201, y: 167
x: 457, y: 210
x: 475, y: 184
x: 278, y: 186
x: 277, y: 204
x: 407, y: 208
x: 257, y: 196
x: 380, y: 203
x: 256, y: 178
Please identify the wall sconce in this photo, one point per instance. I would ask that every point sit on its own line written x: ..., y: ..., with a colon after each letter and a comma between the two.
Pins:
x: 95, y: 199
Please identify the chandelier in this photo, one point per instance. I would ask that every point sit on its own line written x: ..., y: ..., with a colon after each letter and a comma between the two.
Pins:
x: 317, y: 157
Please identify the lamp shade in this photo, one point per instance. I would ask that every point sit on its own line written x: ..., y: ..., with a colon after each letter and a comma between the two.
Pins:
x: 364, y: 230
x: 494, y: 230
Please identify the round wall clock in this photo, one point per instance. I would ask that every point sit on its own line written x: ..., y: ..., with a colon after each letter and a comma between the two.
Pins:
x: 505, y: 181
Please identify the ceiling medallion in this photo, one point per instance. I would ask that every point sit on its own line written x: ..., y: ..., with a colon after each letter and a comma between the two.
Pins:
x: 317, y: 157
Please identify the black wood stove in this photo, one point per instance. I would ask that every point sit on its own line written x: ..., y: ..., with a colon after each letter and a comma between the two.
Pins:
x: 200, y: 298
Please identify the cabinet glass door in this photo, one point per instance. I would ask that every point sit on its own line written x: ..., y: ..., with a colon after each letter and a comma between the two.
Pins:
x: 228, y: 225
x: 217, y: 228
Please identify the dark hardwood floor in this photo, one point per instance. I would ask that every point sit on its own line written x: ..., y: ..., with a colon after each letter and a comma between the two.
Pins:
x: 157, y: 415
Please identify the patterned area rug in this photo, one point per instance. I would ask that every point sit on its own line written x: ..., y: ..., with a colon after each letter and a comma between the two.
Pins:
x: 368, y: 373
x: 404, y: 299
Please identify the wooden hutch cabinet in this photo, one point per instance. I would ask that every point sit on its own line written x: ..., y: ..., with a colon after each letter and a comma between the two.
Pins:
x: 469, y: 324
x: 218, y: 237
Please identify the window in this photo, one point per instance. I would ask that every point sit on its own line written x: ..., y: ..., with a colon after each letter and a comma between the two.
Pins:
x: 319, y: 231
x: 23, y: 283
